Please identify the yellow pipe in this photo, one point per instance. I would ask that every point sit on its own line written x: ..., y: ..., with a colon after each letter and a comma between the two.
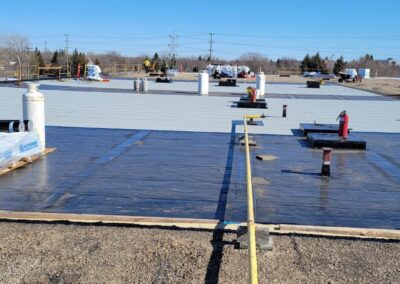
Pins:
x: 254, y: 116
x: 253, y: 276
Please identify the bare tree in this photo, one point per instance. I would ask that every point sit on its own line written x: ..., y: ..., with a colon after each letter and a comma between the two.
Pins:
x: 15, y: 50
x: 255, y: 61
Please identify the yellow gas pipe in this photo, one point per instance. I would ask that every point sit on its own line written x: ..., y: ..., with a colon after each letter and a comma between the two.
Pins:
x: 253, y: 276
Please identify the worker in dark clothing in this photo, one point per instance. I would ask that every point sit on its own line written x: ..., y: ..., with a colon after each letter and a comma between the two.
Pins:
x: 164, y: 68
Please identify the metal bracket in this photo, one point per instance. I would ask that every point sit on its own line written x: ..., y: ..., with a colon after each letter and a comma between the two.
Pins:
x: 251, y: 141
x: 263, y: 239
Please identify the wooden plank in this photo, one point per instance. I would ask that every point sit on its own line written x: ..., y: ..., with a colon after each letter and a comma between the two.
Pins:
x: 185, y: 223
x: 24, y: 161
x: 205, y: 224
x: 339, y: 232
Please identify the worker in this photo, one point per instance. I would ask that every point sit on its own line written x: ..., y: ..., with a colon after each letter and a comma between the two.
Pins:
x: 164, y: 67
x: 249, y: 91
x: 146, y: 64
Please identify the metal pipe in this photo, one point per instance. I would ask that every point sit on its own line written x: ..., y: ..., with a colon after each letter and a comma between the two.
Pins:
x: 136, y: 85
x: 33, y: 110
x: 253, y: 275
x: 260, y: 84
x: 203, y: 84
x: 15, y: 125
x: 326, y: 161
x: 284, y: 110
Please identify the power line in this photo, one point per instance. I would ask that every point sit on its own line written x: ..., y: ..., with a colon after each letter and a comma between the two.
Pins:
x: 317, y: 37
x: 197, y: 42
x: 211, y: 44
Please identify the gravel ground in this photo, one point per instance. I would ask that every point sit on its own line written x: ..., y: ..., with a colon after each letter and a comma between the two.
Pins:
x: 384, y: 86
x: 194, y: 76
x: 58, y: 253
x: 388, y: 87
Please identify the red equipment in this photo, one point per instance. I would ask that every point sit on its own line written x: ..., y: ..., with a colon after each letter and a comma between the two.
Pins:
x: 253, y: 95
x: 78, y: 72
x: 343, y: 124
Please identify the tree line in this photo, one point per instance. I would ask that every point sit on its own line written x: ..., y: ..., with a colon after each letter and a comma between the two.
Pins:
x: 16, y: 49
x: 59, y: 59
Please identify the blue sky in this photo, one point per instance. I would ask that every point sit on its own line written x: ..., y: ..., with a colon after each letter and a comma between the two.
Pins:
x: 272, y: 28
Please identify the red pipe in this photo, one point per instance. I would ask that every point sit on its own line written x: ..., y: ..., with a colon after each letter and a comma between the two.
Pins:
x: 253, y: 95
x: 326, y: 161
x: 343, y: 124
x: 78, y: 72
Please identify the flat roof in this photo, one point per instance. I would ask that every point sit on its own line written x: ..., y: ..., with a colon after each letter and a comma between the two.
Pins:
x: 177, y: 155
x: 178, y: 112
x: 202, y: 175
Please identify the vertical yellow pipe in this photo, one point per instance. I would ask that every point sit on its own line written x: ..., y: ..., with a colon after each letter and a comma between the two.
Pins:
x: 253, y: 276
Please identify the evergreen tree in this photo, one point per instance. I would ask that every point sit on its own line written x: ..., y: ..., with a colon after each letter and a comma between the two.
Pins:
x: 173, y: 62
x: 305, y: 64
x: 199, y: 58
x: 339, y: 66
x: 96, y: 62
x: 76, y: 59
x: 317, y: 64
x: 278, y: 63
x: 54, y: 60
x: 38, y: 59
x: 367, y: 61
x: 156, y: 57
x: 156, y: 62
x: 313, y: 64
x: 368, y: 57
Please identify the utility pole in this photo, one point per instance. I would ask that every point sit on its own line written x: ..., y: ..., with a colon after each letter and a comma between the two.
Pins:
x: 29, y: 62
x: 173, y: 45
x: 66, y: 51
x: 211, y: 44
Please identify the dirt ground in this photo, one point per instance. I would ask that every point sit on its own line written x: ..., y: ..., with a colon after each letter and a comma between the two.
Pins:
x: 193, y: 76
x: 388, y: 87
x: 268, y: 78
x: 65, y: 253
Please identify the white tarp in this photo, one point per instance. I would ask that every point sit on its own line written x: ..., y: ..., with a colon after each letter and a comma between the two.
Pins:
x: 18, y: 145
x: 309, y: 74
x: 93, y: 72
x: 364, y: 73
x: 11, y: 79
x: 351, y: 72
x: 172, y: 72
x: 231, y: 71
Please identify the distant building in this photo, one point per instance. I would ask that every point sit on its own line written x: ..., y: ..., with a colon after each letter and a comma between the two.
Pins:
x: 393, y: 62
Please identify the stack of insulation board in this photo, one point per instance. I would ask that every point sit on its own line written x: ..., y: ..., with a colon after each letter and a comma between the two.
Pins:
x: 18, y: 145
